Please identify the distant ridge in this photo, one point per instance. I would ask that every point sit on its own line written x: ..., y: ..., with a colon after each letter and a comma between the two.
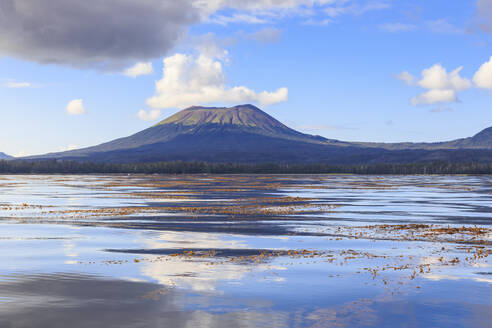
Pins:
x: 4, y: 156
x: 246, y: 134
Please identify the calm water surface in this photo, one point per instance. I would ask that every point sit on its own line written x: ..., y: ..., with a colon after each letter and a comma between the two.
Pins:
x: 244, y: 251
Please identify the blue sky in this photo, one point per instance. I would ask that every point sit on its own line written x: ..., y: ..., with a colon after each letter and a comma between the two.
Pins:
x: 327, y: 67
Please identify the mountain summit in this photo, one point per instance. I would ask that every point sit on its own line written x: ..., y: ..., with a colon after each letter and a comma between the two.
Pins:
x: 242, y: 115
x: 246, y: 118
x: 245, y: 133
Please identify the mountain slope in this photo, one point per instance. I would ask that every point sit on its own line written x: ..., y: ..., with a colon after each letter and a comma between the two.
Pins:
x: 246, y: 134
x: 4, y: 156
x: 482, y: 140
x: 200, y: 121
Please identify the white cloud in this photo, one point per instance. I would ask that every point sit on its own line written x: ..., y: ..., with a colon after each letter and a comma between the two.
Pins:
x: 198, y: 80
x: 14, y: 84
x: 143, y: 68
x: 398, y: 27
x: 442, y: 87
x: 76, y: 107
x: 434, y: 96
x: 150, y: 115
x: 436, y: 77
x: 483, y: 77
x: 406, y: 77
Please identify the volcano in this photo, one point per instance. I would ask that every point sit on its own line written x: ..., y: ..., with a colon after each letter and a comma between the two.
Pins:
x: 246, y: 134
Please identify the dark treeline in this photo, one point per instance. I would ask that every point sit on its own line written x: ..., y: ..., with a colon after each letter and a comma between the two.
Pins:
x: 72, y: 167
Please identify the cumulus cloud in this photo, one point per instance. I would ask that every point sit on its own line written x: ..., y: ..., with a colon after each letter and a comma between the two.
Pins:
x: 150, y: 115
x: 266, y: 35
x: 139, y: 69
x: 75, y: 107
x: 15, y: 84
x: 434, y: 96
x: 103, y: 33
x: 436, y: 77
x: 398, y: 27
x: 442, y: 87
x: 483, y: 77
x: 200, y: 79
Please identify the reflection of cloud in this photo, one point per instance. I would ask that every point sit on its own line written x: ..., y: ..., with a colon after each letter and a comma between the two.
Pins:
x: 353, y: 314
x: 69, y: 248
x: 439, y: 277
x: 434, y: 263
x: 89, y: 301
x: 196, y: 273
x: 172, y: 239
x: 481, y: 265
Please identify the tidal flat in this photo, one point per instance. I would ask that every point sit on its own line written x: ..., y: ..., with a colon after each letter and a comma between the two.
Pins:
x: 245, y: 251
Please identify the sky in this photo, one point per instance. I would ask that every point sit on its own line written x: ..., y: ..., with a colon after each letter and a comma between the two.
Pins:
x: 79, y: 73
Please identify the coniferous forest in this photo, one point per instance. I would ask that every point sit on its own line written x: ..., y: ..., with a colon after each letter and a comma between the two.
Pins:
x: 177, y: 167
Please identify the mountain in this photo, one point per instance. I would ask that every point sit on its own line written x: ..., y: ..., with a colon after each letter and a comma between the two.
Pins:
x: 4, y: 156
x: 244, y: 133
x: 482, y: 140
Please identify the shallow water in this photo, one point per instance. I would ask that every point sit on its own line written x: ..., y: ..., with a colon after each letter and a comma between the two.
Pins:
x: 245, y: 251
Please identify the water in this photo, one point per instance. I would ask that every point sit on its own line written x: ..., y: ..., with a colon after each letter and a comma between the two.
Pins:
x: 245, y: 251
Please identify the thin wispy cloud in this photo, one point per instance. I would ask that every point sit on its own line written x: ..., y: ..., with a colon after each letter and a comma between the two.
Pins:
x: 16, y: 84
x: 443, y: 26
x: 398, y: 27
x: 266, y: 35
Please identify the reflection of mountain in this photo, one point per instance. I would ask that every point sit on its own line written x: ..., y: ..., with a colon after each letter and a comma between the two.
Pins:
x: 244, y: 133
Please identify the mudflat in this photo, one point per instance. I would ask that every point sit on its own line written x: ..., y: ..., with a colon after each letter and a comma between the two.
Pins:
x: 245, y: 251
